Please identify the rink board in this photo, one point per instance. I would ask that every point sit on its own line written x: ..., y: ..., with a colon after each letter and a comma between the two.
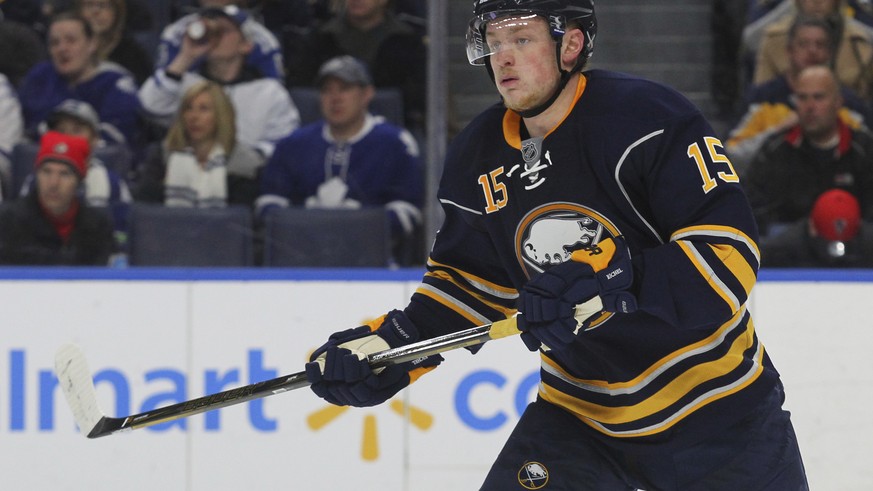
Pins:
x: 155, y: 337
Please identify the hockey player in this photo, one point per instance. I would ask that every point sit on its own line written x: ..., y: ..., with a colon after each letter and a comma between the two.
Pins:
x: 579, y: 186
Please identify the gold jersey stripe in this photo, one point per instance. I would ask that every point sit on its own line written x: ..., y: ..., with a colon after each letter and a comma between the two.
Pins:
x: 747, y: 379
x: 737, y: 264
x: 452, y: 304
x: 479, y: 283
x: 718, y: 231
x: 668, y: 395
x: 711, y: 278
x: 642, y: 381
x: 444, y: 276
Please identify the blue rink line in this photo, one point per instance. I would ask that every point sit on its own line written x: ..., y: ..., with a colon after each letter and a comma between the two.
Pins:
x: 336, y: 274
x: 208, y: 274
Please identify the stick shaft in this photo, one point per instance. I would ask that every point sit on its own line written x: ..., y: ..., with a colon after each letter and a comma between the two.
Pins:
x: 469, y: 337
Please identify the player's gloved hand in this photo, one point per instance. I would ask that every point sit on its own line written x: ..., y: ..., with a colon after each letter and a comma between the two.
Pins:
x: 340, y: 374
x: 548, y: 302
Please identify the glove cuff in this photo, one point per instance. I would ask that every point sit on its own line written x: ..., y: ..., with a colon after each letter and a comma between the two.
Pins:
x: 397, y: 329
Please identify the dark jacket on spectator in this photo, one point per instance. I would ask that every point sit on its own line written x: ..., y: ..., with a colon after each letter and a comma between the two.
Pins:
x: 131, y: 55
x: 28, y: 238
x: 788, y: 174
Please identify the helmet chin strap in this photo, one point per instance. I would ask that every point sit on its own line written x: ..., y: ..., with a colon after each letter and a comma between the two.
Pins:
x: 565, y: 77
x: 536, y: 111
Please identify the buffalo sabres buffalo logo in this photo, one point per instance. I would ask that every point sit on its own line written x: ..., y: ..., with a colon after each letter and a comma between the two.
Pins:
x: 533, y: 475
x: 549, y: 234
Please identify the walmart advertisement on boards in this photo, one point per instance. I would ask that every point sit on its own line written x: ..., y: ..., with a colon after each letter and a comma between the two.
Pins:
x: 159, y: 341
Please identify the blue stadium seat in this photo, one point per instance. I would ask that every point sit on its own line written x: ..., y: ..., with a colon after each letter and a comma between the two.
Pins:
x: 116, y: 157
x: 23, y: 158
x: 387, y: 103
x: 297, y: 237
x: 171, y: 236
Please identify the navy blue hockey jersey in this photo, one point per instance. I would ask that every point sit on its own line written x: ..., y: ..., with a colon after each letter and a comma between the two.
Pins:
x: 631, y: 158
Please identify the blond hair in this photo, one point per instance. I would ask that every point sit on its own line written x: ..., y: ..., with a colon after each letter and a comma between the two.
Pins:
x: 225, y: 118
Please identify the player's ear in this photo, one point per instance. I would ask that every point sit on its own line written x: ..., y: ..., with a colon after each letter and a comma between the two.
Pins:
x: 571, y: 46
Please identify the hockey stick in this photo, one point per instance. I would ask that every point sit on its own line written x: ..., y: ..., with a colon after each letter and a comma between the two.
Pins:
x: 77, y: 383
x: 78, y: 386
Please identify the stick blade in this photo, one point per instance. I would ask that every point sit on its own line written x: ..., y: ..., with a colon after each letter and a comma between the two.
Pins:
x: 75, y: 380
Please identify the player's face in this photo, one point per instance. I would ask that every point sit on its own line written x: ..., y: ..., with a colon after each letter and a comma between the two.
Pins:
x: 818, y: 102
x: 199, y: 119
x: 56, y: 184
x: 809, y: 47
x: 523, y: 60
x: 71, y: 50
x: 344, y: 104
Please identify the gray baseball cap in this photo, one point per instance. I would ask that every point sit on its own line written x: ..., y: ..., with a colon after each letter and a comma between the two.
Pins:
x: 76, y: 109
x: 346, y: 68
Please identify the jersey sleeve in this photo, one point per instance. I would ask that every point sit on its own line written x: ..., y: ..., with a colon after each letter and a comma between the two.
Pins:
x: 705, y: 269
x: 465, y: 284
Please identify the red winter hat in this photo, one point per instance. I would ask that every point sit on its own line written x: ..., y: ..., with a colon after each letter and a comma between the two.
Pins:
x: 67, y: 149
x: 836, y: 215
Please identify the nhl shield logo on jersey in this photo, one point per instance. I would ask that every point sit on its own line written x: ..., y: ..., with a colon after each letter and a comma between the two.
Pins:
x: 533, y: 475
x: 530, y: 149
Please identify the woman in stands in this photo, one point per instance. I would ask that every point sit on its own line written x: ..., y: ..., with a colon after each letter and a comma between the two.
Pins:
x: 75, y: 72
x: 200, y: 162
x: 108, y: 19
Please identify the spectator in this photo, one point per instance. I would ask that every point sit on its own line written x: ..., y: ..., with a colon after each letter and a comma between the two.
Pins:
x: 108, y: 19
x: 265, y: 54
x: 201, y: 163
x: 11, y: 129
x: 762, y: 14
x: 20, y: 49
x: 265, y: 112
x: 75, y: 73
x: 392, y: 50
x: 102, y: 186
x: 770, y: 107
x: 833, y: 236
x: 349, y: 159
x: 52, y: 226
x: 853, y: 57
x: 818, y: 153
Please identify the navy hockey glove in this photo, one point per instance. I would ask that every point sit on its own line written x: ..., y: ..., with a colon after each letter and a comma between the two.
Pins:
x: 551, y: 303
x: 339, y: 371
